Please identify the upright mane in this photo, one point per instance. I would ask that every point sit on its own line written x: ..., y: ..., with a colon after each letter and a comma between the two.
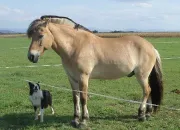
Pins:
x: 58, y: 19
x: 53, y: 19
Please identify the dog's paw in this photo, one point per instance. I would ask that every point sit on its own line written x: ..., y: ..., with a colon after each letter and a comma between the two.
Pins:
x: 36, y: 118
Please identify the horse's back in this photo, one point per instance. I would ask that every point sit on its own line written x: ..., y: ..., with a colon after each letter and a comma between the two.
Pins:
x: 125, y: 49
x: 118, y: 57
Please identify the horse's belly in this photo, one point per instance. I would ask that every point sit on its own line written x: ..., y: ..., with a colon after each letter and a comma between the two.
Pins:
x: 110, y: 72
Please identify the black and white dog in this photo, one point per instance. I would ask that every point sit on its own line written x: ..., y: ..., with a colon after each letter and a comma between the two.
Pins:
x: 40, y: 99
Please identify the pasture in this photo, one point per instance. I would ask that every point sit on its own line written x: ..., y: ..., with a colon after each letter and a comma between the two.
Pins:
x: 16, y: 111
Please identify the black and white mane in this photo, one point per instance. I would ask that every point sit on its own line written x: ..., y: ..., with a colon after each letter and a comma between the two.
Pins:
x: 63, y: 20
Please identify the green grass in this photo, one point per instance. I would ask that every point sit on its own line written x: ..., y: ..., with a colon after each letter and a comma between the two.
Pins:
x: 105, y: 114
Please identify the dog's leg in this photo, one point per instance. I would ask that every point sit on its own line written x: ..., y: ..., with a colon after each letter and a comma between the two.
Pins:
x: 50, y: 103
x: 42, y: 114
x: 36, y: 115
x: 52, y: 110
x: 39, y: 114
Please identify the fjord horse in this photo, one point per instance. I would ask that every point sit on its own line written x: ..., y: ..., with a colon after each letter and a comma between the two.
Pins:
x: 86, y: 56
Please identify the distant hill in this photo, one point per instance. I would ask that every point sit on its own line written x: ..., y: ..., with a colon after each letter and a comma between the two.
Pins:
x: 6, y: 32
x: 12, y: 31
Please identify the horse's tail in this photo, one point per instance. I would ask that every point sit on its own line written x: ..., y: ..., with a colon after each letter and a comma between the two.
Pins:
x: 156, y: 84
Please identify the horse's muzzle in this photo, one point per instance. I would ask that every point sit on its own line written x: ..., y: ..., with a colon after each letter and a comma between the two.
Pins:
x: 33, y: 58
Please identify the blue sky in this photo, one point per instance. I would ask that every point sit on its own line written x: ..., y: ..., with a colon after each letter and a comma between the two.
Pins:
x: 162, y: 15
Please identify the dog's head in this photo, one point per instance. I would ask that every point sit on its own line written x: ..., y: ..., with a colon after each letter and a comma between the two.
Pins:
x: 34, y: 87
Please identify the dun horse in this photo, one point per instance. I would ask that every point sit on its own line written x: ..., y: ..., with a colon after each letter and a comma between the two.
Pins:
x: 86, y: 56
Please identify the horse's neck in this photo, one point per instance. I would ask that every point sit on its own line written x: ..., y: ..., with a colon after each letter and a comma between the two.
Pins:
x: 63, y: 41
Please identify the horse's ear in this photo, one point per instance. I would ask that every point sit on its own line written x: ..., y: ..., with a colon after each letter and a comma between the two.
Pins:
x: 30, y: 84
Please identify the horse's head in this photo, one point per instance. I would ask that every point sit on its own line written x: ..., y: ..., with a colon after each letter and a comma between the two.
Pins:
x: 42, y: 39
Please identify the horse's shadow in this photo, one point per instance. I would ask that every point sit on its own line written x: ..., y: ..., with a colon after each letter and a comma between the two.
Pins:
x: 26, y: 120
x: 121, y: 118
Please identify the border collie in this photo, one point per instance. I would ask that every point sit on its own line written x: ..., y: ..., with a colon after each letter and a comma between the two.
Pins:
x: 39, y: 99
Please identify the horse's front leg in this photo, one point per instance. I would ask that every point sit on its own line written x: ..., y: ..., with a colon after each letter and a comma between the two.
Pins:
x: 83, y: 86
x: 76, y: 101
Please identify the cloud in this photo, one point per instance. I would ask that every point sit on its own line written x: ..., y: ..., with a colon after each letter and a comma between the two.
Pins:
x: 132, y: 1
x: 131, y: 14
x: 143, y: 5
x: 18, y: 11
x: 112, y: 15
x: 4, y: 10
x: 14, y: 14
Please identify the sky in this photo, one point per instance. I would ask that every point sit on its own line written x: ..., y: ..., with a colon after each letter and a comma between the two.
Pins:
x: 102, y: 15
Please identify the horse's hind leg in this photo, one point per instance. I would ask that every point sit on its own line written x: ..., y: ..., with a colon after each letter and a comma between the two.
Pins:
x: 143, y: 81
x: 149, y: 107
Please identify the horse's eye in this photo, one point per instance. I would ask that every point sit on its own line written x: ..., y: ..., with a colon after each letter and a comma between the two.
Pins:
x: 40, y: 36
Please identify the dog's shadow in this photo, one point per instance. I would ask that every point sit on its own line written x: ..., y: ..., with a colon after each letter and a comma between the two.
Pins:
x: 26, y: 120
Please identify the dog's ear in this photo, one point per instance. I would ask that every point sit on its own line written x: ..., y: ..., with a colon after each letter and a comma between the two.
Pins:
x: 30, y: 84
x: 38, y: 84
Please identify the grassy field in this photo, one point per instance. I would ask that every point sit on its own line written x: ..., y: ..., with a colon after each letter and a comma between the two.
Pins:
x: 105, y: 114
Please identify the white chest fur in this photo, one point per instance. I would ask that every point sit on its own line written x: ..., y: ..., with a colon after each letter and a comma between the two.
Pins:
x: 36, y: 97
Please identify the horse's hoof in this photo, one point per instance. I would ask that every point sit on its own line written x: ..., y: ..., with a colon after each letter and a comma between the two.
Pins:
x: 82, y: 125
x: 143, y: 118
x: 148, y: 115
x: 36, y: 118
x: 75, y: 123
